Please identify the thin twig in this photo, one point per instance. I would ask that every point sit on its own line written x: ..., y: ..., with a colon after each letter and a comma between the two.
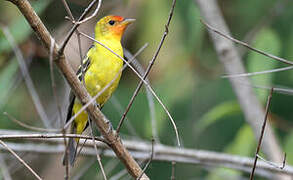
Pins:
x: 4, y: 169
x: 29, y: 126
x: 257, y: 73
x: 65, y: 4
x: 151, y: 63
x: 92, y: 15
x: 149, y: 161
x: 85, y: 12
x: 150, y: 97
x: 274, y: 164
x: 21, y: 160
x: 96, y: 149
x: 119, y: 175
x: 53, y: 83
x: 262, y: 132
x: 163, y: 153
x: 173, y: 170
x: 93, y: 99
x: 144, y: 81
x: 83, y: 169
x: 49, y: 136
x: 118, y: 107
x: 80, y: 149
x: 246, y: 45
x: 82, y: 77
x: 96, y: 115
x: 71, y: 18
x: 232, y: 63
x: 265, y: 21
x: 27, y: 78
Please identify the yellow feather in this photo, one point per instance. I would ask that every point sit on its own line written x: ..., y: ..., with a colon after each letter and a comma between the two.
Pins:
x: 104, y: 66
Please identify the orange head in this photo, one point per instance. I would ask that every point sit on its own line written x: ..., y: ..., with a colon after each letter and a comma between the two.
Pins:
x: 111, y: 27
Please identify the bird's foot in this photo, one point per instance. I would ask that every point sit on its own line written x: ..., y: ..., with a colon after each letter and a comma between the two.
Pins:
x: 110, y: 127
x: 97, y: 105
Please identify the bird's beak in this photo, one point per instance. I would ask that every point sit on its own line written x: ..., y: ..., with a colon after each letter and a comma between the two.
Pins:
x: 127, y: 21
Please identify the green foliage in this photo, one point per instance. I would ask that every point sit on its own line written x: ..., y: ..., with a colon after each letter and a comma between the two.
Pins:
x: 268, y: 41
x: 216, y: 114
x: 6, y: 79
x: 289, y: 148
x: 186, y: 77
x: 19, y: 28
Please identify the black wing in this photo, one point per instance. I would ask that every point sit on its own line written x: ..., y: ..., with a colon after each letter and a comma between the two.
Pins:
x: 86, y: 65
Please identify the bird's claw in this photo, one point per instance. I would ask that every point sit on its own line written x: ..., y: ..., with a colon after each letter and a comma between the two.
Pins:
x: 110, y: 127
x: 97, y: 105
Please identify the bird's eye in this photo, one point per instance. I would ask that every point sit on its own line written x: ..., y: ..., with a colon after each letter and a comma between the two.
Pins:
x: 111, y: 22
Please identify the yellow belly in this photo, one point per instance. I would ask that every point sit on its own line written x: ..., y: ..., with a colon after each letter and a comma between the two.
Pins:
x: 104, y: 72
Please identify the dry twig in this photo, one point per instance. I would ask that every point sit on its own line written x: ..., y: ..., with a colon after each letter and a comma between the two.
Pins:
x: 80, y: 92
x: 229, y: 57
x: 151, y: 63
x: 20, y: 160
x: 140, y: 150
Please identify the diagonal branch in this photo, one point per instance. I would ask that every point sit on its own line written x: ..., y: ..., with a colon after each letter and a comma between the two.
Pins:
x: 79, y: 90
x: 229, y: 57
x: 20, y: 160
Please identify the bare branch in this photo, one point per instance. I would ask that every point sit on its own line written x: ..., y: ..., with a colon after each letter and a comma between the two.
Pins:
x: 92, y: 15
x: 21, y: 160
x: 274, y: 164
x: 75, y: 26
x: 27, y: 78
x: 173, y: 170
x: 53, y: 83
x: 150, y: 97
x: 262, y: 132
x: 257, y: 73
x: 80, y: 91
x: 140, y: 150
x: 144, y: 81
x: 151, y: 63
x: 92, y: 101
x: 4, y: 168
x: 247, y: 45
x: 29, y: 126
x: 149, y: 161
x: 229, y: 57
x: 96, y: 149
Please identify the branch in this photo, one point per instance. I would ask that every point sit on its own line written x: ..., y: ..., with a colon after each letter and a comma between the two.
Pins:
x: 151, y: 63
x: 79, y: 90
x: 20, y: 160
x: 262, y: 133
x: 141, y: 150
x: 229, y: 57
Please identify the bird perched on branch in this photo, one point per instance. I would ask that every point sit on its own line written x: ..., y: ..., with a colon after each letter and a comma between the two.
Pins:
x: 101, y: 68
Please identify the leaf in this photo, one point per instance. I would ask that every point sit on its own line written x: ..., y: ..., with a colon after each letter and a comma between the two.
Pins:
x: 268, y: 41
x: 289, y: 148
x: 243, y: 144
x: 19, y: 28
x: 227, y: 108
x: 6, y: 78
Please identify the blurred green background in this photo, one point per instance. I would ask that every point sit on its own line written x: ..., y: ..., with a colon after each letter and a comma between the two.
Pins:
x: 186, y: 76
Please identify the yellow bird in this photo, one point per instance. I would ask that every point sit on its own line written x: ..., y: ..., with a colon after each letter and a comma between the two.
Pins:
x: 100, y: 67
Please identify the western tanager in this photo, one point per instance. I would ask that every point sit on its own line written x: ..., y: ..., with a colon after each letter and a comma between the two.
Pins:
x: 100, y: 67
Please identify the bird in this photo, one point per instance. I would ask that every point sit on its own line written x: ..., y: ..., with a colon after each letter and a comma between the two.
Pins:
x: 99, y: 68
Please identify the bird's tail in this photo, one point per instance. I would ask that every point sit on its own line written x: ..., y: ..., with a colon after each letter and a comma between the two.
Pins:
x: 71, y: 149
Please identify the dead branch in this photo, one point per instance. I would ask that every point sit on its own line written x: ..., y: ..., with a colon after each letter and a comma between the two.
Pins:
x: 231, y: 61
x: 141, y: 150
x: 79, y: 90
